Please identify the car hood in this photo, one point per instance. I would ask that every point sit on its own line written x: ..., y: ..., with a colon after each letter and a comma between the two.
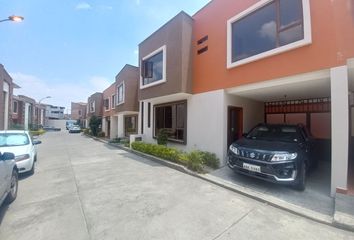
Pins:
x: 17, y: 150
x: 269, y: 146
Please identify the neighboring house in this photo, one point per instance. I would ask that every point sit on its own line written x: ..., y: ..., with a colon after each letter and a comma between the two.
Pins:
x: 94, y: 107
x: 78, y: 112
x: 23, y: 112
x: 127, y: 107
x: 283, y: 68
x: 6, y: 86
x: 54, y: 112
x: 253, y: 61
x: 109, y: 104
x: 165, y: 86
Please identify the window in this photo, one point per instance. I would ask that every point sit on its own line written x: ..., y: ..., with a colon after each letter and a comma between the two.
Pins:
x: 79, y: 112
x: 142, y: 117
x: 172, y: 117
x: 130, y: 125
x: 92, y: 106
x: 106, y: 104
x: 120, y: 94
x: 149, y: 115
x: 153, y: 68
x: 268, y: 28
x: 113, y: 101
x: 15, y: 107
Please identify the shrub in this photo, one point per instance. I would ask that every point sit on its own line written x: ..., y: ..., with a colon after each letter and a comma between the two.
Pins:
x: 86, y: 131
x: 37, y: 132
x: 101, y: 134
x: 195, y: 161
x: 114, y: 140
x: 162, y: 137
x: 210, y: 160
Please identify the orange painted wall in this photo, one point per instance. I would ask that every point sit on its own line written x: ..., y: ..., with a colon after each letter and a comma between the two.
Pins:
x: 332, y: 44
x: 108, y: 94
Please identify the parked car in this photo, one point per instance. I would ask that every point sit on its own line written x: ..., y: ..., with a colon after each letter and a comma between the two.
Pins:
x: 22, y: 146
x: 70, y: 123
x: 8, y: 178
x: 276, y: 153
x: 75, y: 129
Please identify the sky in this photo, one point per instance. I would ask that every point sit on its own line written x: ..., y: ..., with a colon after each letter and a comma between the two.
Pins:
x: 71, y: 49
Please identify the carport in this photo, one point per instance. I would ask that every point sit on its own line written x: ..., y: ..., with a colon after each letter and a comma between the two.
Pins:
x: 318, y: 100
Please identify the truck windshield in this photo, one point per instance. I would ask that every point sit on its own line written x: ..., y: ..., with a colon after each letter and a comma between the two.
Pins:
x: 275, y: 133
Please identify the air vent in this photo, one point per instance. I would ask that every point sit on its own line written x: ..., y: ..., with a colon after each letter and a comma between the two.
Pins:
x: 202, y: 50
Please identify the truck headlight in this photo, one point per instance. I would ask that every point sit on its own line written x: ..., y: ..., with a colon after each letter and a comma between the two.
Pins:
x: 278, y: 157
x: 22, y: 157
x: 234, y: 150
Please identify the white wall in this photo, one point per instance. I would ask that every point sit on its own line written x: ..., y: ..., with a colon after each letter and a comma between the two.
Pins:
x: 340, y: 127
x: 207, y: 120
x: 114, y: 127
x: 120, y: 126
x: 104, y: 126
x: 57, y: 123
x: 6, y: 92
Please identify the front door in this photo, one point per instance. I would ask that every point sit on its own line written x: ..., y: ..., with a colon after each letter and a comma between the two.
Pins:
x: 108, y: 127
x: 234, y: 124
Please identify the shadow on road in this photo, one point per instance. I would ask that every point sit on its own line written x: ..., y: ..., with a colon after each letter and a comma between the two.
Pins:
x: 3, y: 210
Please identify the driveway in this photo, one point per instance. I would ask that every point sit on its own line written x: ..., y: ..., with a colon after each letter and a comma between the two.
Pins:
x: 83, y: 189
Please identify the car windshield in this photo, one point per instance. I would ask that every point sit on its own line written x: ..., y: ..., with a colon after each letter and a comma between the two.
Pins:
x: 13, y: 139
x: 275, y: 133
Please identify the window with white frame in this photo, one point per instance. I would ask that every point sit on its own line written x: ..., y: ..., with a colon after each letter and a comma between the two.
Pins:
x: 113, y: 101
x: 120, y: 94
x: 106, y: 104
x: 92, y: 106
x: 267, y: 28
x: 153, y: 68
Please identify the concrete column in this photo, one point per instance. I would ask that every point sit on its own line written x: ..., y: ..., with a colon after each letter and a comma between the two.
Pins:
x: 121, y: 126
x: 340, y: 127
x: 104, y: 125
x: 6, y: 89
x: 114, y: 127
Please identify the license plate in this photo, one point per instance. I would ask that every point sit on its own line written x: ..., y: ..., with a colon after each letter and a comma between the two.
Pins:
x: 252, y: 168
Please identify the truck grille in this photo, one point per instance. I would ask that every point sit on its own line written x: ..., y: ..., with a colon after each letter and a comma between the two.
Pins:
x: 256, y: 155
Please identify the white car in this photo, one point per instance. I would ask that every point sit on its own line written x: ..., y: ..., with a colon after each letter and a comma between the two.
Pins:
x: 22, y: 146
x: 8, y: 178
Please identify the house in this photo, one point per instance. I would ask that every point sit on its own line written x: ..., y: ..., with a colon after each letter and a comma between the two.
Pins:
x: 54, y: 112
x: 7, y: 86
x: 109, y: 104
x: 94, y: 107
x: 253, y: 61
x: 127, y: 108
x: 23, y: 112
x: 78, y: 112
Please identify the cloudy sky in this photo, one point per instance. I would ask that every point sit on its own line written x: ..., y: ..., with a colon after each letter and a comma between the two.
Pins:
x: 70, y: 49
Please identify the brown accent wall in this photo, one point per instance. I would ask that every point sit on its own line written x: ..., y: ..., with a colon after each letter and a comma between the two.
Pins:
x: 176, y: 35
x: 75, y: 108
x: 5, y: 77
x: 130, y: 76
x: 98, y: 98
x: 107, y: 94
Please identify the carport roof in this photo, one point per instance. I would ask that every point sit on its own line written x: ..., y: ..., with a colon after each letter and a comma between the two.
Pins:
x: 303, y: 86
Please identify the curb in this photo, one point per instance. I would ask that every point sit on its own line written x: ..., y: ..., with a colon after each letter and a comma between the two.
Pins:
x: 258, y: 196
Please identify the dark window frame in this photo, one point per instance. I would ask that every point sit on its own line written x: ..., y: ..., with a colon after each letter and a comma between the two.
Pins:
x: 184, y: 141
x: 149, y: 115
x: 278, y: 29
x: 13, y: 107
x: 106, y: 104
x: 136, y: 125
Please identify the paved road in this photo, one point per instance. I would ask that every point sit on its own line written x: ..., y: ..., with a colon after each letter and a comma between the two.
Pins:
x: 83, y: 189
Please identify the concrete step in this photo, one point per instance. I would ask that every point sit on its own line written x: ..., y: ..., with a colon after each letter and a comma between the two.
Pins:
x: 344, y: 211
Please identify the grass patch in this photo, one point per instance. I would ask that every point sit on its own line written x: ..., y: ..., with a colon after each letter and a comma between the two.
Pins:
x: 37, y: 132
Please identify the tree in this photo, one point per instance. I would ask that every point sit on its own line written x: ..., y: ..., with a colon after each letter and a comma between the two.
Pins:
x: 94, y: 124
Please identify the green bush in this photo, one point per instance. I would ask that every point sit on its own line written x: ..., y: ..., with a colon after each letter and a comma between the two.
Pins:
x: 86, y: 131
x: 210, y: 160
x: 195, y: 161
x: 37, y: 132
x: 114, y: 140
x: 94, y: 124
x: 162, y: 137
x: 101, y: 134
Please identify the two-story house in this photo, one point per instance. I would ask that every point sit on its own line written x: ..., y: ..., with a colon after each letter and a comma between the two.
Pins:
x: 6, y: 86
x: 94, y: 107
x: 23, y: 112
x: 78, y: 112
x: 109, y: 104
x: 253, y: 61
